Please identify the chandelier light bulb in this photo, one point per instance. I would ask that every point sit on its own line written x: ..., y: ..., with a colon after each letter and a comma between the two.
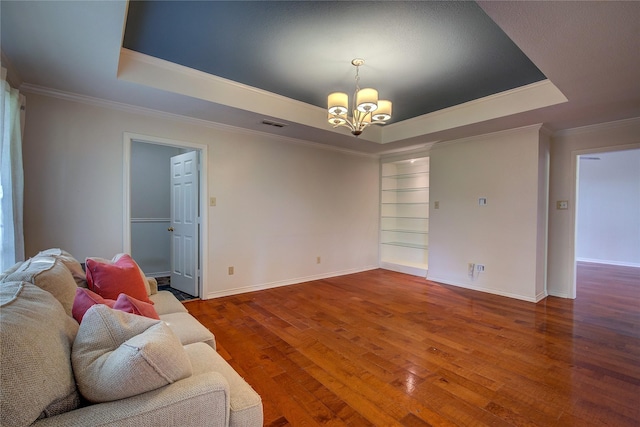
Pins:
x: 338, y: 103
x: 367, y: 100
x: 383, y: 112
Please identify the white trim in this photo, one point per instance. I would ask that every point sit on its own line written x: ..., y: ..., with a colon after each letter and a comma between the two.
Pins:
x: 573, y: 201
x: 599, y: 127
x: 406, y: 269
x: 133, y: 57
x: 150, y: 219
x: 609, y: 262
x: 521, y: 99
x: 139, y: 68
x: 132, y: 109
x: 474, y: 138
x: 420, y: 150
x: 277, y: 284
x: 128, y: 138
x: 143, y: 69
x: 537, y: 298
x: 560, y: 295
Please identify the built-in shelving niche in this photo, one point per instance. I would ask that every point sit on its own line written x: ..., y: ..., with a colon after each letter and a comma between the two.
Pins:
x: 404, y: 216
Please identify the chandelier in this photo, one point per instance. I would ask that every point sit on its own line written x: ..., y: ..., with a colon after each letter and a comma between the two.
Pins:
x: 367, y: 109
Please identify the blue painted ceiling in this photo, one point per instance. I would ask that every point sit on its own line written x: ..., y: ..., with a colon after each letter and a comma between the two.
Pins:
x: 423, y: 56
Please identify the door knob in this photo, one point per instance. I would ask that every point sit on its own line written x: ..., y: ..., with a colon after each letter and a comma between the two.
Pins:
x: 170, y: 229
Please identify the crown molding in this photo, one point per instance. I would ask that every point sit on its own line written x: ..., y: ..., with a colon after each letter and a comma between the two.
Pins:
x: 132, y: 109
x: 598, y: 127
x: 538, y: 127
x: 526, y: 98
x: 138, y: 68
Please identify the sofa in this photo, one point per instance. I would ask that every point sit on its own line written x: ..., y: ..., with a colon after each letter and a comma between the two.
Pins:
x: 114, y: 367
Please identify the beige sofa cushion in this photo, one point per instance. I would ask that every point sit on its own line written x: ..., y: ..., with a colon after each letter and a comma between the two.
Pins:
x: 36, y: 336
x: 117, y: 355
x: 164, y: 302
x: 245, y: 404
x: 50, y: 274
x: 188, y: 329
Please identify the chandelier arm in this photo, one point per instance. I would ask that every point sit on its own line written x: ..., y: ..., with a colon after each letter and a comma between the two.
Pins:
x: 346, y: 124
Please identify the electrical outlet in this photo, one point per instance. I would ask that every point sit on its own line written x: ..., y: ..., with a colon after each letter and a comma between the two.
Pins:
x: 212, y: 201
x: 562, y: 204
x: 479, y: 267
x: 231, y: 271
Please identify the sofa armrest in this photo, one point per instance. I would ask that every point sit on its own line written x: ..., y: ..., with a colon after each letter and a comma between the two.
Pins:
x: 200, y: 400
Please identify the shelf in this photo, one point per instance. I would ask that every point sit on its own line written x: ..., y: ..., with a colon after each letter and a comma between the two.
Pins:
x: 405, y: 203
x: 406, y: 245
x: 405, y: 217
x: 405, y: 175
x: 400, y: 190
x: 405, y: 231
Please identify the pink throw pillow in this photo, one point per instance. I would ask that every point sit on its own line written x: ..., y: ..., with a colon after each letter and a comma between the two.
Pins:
x: 132, y: 305
x: 110, y: 279
x: 84, y: 300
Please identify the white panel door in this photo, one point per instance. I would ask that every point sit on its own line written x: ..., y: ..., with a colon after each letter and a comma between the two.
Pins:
x: 184, y: 223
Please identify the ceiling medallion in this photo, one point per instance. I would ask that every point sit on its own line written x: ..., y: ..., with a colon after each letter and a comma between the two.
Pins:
x: 367, y: 109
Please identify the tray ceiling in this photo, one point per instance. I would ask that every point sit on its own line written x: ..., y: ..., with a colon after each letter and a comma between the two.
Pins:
x: 423, y: 56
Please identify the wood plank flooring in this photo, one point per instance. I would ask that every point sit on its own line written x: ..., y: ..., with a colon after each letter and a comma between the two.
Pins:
x: 383, y: 348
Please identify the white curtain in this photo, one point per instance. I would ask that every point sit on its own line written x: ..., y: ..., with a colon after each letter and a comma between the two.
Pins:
x: 12, y: 106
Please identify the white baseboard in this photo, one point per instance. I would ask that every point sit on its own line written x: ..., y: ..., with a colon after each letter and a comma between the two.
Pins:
x: 608, y: 262
x: 535, y: 299
x: 277, y: 284
x: 407, y: 269
x: 561, y: 295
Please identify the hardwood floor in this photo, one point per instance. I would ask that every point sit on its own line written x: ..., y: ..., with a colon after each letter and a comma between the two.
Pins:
x: 383, y: 348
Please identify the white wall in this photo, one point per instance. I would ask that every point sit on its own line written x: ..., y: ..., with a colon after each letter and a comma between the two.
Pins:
x: 280, y: 203
x: 608, y: 217
x: 565, y: 147
x: 150, y: 207
x: 508, y: 235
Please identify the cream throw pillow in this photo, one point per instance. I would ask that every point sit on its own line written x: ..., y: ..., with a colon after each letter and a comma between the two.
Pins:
x: 70, y: 262
x: 49, y: 274
x: 117, y: 355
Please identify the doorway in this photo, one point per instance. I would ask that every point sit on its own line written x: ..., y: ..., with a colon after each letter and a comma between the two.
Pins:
x: 148, y: 213
x: 607, y: 216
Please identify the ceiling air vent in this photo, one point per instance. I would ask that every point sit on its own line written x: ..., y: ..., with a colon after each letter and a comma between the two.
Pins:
x: 274, y: 124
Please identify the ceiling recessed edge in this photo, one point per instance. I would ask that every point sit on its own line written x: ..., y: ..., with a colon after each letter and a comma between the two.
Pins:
x: 526, y: 98
x: 136, y: 67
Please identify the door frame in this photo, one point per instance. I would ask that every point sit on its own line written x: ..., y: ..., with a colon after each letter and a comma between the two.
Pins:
x: 573, y: 204
x: 128, y: 138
